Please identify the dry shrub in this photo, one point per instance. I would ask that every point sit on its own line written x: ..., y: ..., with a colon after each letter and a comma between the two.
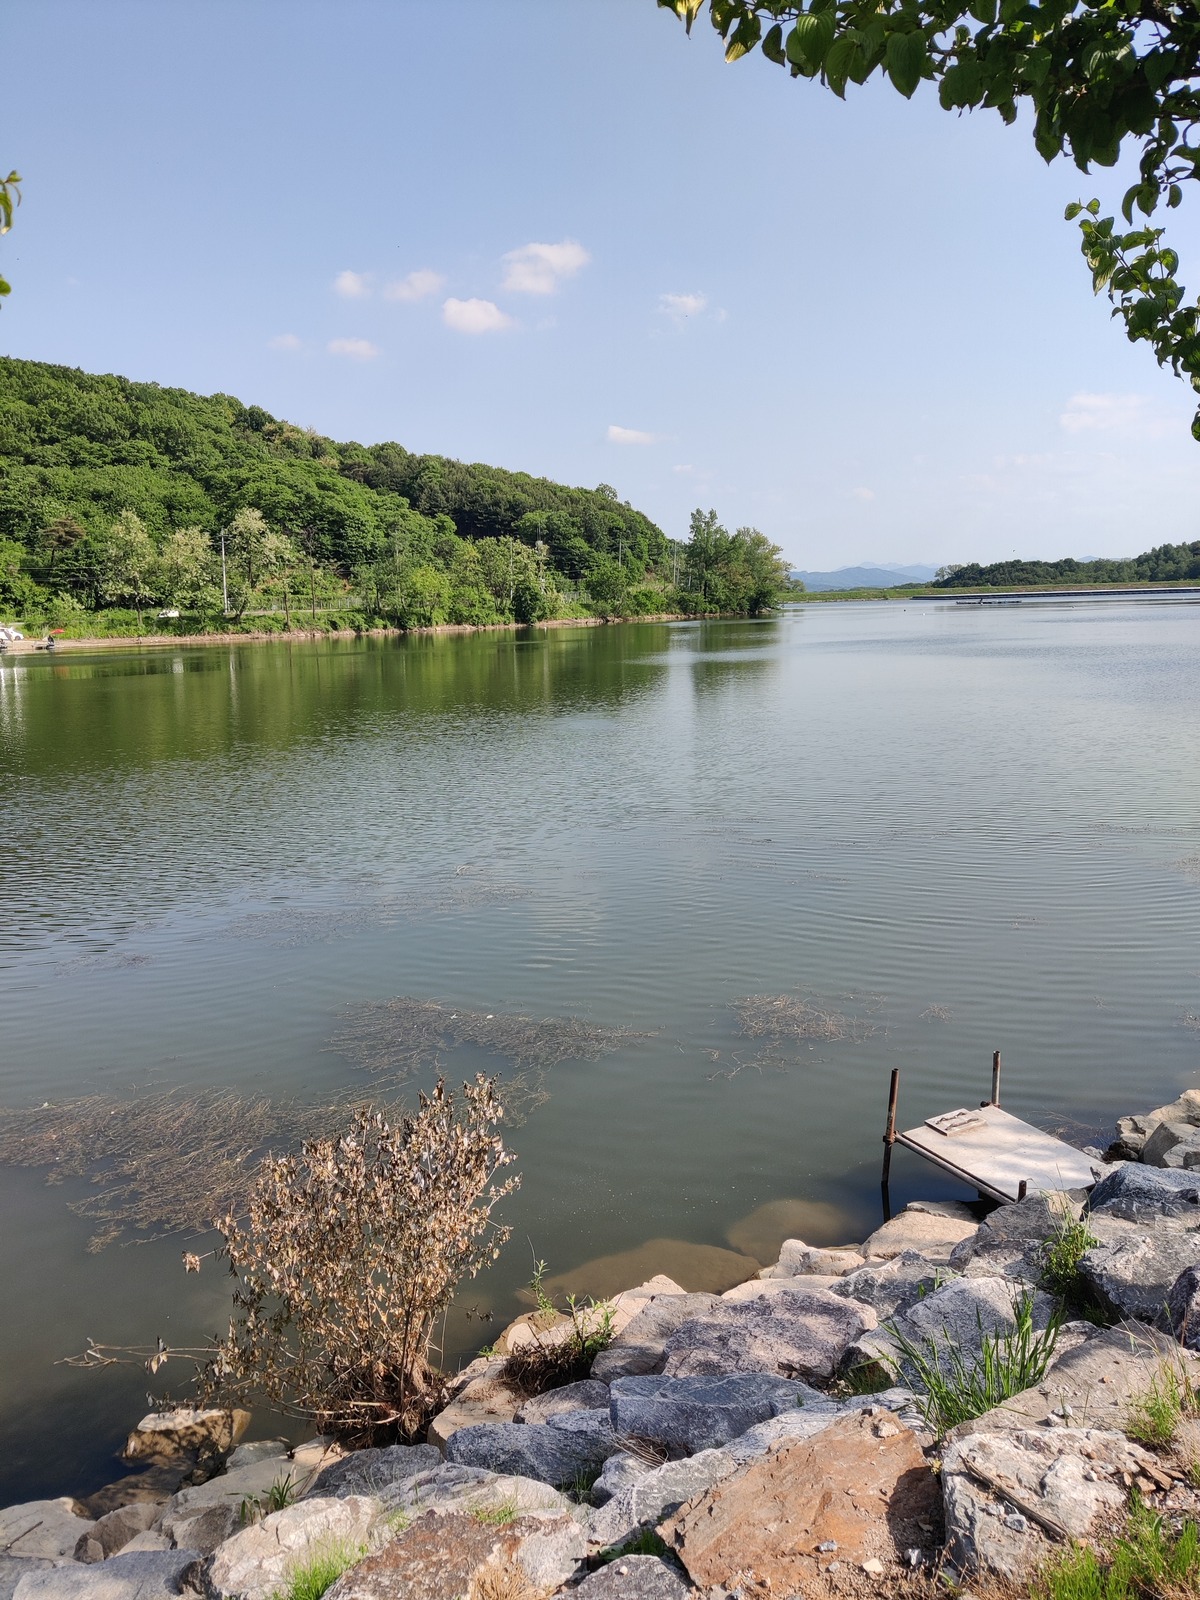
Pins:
x: 349, y: 1256
x: 781, y: 1017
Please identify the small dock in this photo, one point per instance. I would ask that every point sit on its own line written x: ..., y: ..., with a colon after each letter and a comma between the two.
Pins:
x: 991, y: 1150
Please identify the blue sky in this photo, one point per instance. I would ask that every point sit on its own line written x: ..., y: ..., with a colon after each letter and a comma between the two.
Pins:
x: 558, y: 236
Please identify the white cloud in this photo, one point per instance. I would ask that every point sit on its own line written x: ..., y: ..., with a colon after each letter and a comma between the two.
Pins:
x: 284, y: 341
x: 862, y: 494
x: 1105, y: 413
x: 356, y: 349
x: 474, y: 316
x: 679, y: 307
x: 684, y: 469
x: 618, y: 435
x: 352, y: 285
x: 416, y: 286
x: 540, y: 268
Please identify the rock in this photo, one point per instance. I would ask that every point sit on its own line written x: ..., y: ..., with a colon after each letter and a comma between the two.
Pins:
x: 154, y: 1486
x: 372, y: 1471
x: 893, y: 1285
x: 862, y: 1485
x: 164, y: 1435
x: 14, y: 1568
x: 1173, y: 1144
x: 764, y: 1288
x: 1011, y: 1241
x: 447, y: 1557
x: 470, y: 1490
x: 632, y: 1578
x: 958, y: 1315
x: 549, y: 1451
x: 48, y: 1528
x: 256, y: 1450
x: 804, y: 1422
x: 203, y: 1530
x: 685, y: 1415
x: 797, y: 1333
x: 932, y: 1234
x: 641, y: 1346
x: 702, y: 1268
x: 255, y: 1564
x: 619, y: 1472
x: 1070, y: 1477
x: 1093, y: 1383
x: 797, y: 1259
x: 247, y: 1483
x: 483, y: 1400
x: 588, y: 1395
x: 1134, y: 1275
x: 150, y: 1540
x: 1183, y: 1308
x: 656, y: 1495
x: 146, y: 1575
x: 111, y: 1533
x: 1133, y: 1132
x: 1137, y: 1192
x: 762, y: 1233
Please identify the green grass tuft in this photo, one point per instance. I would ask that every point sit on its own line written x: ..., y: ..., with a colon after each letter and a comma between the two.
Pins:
x: 1150, y: 1561
x: 497, y: 1516
x: 959, y: 1388
x: 1153, y: 1417
x: 311, y: 1578
x: 645, y: 1543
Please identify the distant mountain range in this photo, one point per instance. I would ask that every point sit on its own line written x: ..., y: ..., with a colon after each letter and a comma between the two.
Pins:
x: 884, y: 576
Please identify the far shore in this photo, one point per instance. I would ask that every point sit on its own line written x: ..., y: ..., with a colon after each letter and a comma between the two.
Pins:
x: 160, y: 640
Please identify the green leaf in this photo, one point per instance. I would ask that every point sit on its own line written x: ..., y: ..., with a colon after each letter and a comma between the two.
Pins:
x: 1073, y: 210
x: 841, y: 58
x: 809, y: 41
x: 962, y: 85
x: 983, y: 11
x: 745, y: 36
x: 772, y: 45
x: 906, y: 58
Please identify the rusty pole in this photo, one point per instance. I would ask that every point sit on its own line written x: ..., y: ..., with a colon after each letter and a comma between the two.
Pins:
x: 889, y: 1139
x: 995, y: 1077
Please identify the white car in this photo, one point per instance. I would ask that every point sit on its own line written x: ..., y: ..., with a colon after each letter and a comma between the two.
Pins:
x: 11, y: 634
x: 169, y: 615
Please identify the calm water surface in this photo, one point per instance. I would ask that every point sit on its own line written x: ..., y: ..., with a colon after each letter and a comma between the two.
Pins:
x: 959, y: 830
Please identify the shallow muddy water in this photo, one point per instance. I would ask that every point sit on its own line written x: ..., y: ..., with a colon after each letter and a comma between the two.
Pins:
x: 697, y: 886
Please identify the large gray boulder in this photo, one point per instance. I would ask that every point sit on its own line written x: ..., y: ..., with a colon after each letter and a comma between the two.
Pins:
x: 568, y: 1447
x: 619, y: 1472
x: 373, y: 1471
x: 448, y: 1488
x: 186, y: 1431
x: 1134, y: 1274
x: 633, y: 1578
x: 797, y: 1333
x: 797, y: 1259
x: 951, y: 1324
x: 804, y: 1422
x: 1133, y: 1132
x: 588, y: 1395
x: 1011, y: 1241
x: 14, y: 1568
x: 685, y: 1415
x: 1139, y: 1193
x: 1013, y: 1499
x: 893, y: 1285
x: 112, y: 1532
x: 641, y: 1346
x: 656, y: 1495
x: 256, y: 1563
x: 1183, y: 1308
x: 202, y: 1529
x: 933, y: 1228
x: 1173, y: 1144
x: 47, y: 1528
x: 147, y: 1575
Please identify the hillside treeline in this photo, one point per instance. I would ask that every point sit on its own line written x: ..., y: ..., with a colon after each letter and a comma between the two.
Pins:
x: 1166, y: 563
x: 120, y: 494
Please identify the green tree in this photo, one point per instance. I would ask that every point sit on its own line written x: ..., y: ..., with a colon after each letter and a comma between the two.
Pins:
x: 607, y: 585
x: 1094, y: 73
x: 10, y: 197
x: 255, y: 554
x: 185, y: 575
x: 127, y: 562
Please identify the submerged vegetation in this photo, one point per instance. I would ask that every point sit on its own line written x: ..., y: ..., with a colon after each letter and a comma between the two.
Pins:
x: 119, y: 498
x: 785, y: 1017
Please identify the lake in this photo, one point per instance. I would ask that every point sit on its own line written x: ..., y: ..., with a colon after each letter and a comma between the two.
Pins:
x: 932, y: 831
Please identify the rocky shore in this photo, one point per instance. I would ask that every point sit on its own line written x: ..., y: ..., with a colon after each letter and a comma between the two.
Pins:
x: 793, y: 1436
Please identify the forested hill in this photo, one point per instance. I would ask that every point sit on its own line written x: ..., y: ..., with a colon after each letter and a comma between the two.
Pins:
x: 75, y: 444
x: 1166, y: 563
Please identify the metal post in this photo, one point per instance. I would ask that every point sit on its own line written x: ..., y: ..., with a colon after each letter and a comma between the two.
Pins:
x: 995, y: 1078
x: 1022, y: 1189
x: 889, y: 1137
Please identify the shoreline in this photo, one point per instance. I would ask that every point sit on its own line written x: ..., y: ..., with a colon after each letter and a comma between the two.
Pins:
x: 307, y: 635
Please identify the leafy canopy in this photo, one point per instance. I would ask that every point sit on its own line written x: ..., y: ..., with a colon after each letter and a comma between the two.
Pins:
x: 1096, y: 73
